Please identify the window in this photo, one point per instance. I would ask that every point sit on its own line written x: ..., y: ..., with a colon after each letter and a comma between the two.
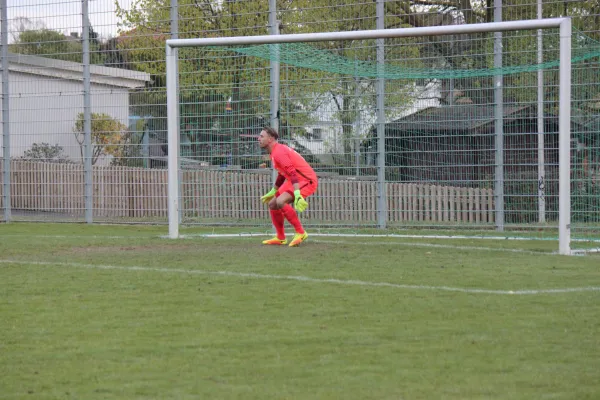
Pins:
x: 316, y: 134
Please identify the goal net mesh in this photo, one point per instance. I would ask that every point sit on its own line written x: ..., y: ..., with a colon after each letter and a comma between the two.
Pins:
x: 443, y: 165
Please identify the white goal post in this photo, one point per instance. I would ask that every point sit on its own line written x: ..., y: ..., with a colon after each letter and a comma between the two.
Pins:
x: 564, y: 124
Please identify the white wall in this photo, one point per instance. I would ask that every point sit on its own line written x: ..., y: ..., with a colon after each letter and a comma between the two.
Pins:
x: 44, y: 109
x: 331, y: 131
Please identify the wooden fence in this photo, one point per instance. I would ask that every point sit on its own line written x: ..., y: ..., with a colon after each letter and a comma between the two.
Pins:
x: 233, y: 194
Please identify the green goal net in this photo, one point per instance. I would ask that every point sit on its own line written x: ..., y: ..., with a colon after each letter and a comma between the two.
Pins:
x: 455, y: 158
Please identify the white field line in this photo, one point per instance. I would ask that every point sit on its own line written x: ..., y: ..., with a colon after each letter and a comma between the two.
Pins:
x: 412, y: 244
x: 579, y: 252
x: 391, y: 243
x: 340, y: 235
x: 249, y: 235
x: 365, y: 235
x: 393, y: 236
x: 437, y: 246
x: 309, y: 279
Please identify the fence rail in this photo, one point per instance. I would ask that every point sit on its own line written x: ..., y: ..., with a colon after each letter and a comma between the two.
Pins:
x: 222, y: 194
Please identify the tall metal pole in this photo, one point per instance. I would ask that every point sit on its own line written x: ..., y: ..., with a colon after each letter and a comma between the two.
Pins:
x: 175, y: 34
x: 564, y: 139
x: 370, y: 34
x: 173, y: 142
x: 87, y: 116
x: 540, y: 125
x: 172, y: 55
x: 275, y: 68
x: 499, y: 121
x: 174, y: 19
x: 381, y: 191
x: 357, y: 125
x: 5, y: 112
x: 274, y: 76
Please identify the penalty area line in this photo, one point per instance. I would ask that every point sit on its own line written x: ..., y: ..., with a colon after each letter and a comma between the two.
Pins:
x: 389, y: 236
x: 298, y: 278
x: 388, y: 243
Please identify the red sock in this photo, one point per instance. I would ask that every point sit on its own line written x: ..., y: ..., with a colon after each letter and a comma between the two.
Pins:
x: 277, y: 218
x: 290, y: 215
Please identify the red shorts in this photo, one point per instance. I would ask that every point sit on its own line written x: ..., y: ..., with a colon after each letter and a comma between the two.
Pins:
x: 306, y: 188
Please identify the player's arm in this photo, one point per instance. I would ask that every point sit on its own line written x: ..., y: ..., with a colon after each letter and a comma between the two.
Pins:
x: 299, y: 203
x: 271, y: 193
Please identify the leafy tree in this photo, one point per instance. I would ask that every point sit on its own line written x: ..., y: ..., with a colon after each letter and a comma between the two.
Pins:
x: 113, y: 56
x: 46, y: 153
x: 52, y: 44
x: 145, y: 23
x: 109, y: 136
x: 476, y: 52
x: 48, y: 43
x: 346, y: 97
x: 146, y: 26
x: 141, y: 43
x: 21, y: 24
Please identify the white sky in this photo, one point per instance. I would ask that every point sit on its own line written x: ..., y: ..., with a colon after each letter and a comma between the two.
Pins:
x: 65, y: 15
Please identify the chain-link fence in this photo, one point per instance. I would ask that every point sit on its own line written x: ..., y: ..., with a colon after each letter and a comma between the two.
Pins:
x: 84, y: 112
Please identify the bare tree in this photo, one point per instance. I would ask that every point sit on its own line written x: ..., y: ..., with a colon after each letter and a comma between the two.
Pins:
x: 19, y: 25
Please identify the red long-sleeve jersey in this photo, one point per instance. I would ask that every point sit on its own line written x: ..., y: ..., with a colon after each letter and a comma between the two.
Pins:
x: 291, y: 165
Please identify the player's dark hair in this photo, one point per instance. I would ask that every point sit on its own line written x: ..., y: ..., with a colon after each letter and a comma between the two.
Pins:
x: 271, y: 132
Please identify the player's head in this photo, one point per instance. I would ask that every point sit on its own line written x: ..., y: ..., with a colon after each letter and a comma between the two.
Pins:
x: 267, y: 136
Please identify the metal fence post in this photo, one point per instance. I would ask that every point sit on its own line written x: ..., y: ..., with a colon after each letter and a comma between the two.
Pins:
x: 499, y: 121
x: 5, y: 112
x: 275, y: 82
x: 381, y: 192
x: 174, y: 26
x: 87, y: 116
x: 540, y: 123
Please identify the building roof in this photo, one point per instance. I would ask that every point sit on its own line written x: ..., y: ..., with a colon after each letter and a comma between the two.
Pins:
x: 69, y: 70
x: 458, y: 118
x: 480, y: 119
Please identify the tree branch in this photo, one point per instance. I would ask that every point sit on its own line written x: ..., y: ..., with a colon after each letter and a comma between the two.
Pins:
x: 337, y: 103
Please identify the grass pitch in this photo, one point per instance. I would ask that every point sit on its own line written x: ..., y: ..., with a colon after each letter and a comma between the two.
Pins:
x: 117, y: 312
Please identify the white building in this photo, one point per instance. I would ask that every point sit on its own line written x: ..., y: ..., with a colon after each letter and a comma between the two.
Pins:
x: 325, y: 135
x: 46, y: 95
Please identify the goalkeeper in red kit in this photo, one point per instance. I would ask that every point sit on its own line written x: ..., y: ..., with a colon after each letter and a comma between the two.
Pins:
x: 296, y: 181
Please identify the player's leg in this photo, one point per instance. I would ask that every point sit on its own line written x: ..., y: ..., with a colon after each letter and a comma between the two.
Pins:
x: 285, y: 199
x: 308, y: 189
x: 291, y: 215
x: 278, y: 217
x: 280, y: 207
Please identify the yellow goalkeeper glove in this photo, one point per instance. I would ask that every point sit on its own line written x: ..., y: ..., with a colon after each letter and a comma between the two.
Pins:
x: 299, y: 203
x: 267, y: 197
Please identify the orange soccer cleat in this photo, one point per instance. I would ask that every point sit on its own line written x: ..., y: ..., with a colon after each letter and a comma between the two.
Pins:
x: 298, y: 238
x: 275, y: 241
